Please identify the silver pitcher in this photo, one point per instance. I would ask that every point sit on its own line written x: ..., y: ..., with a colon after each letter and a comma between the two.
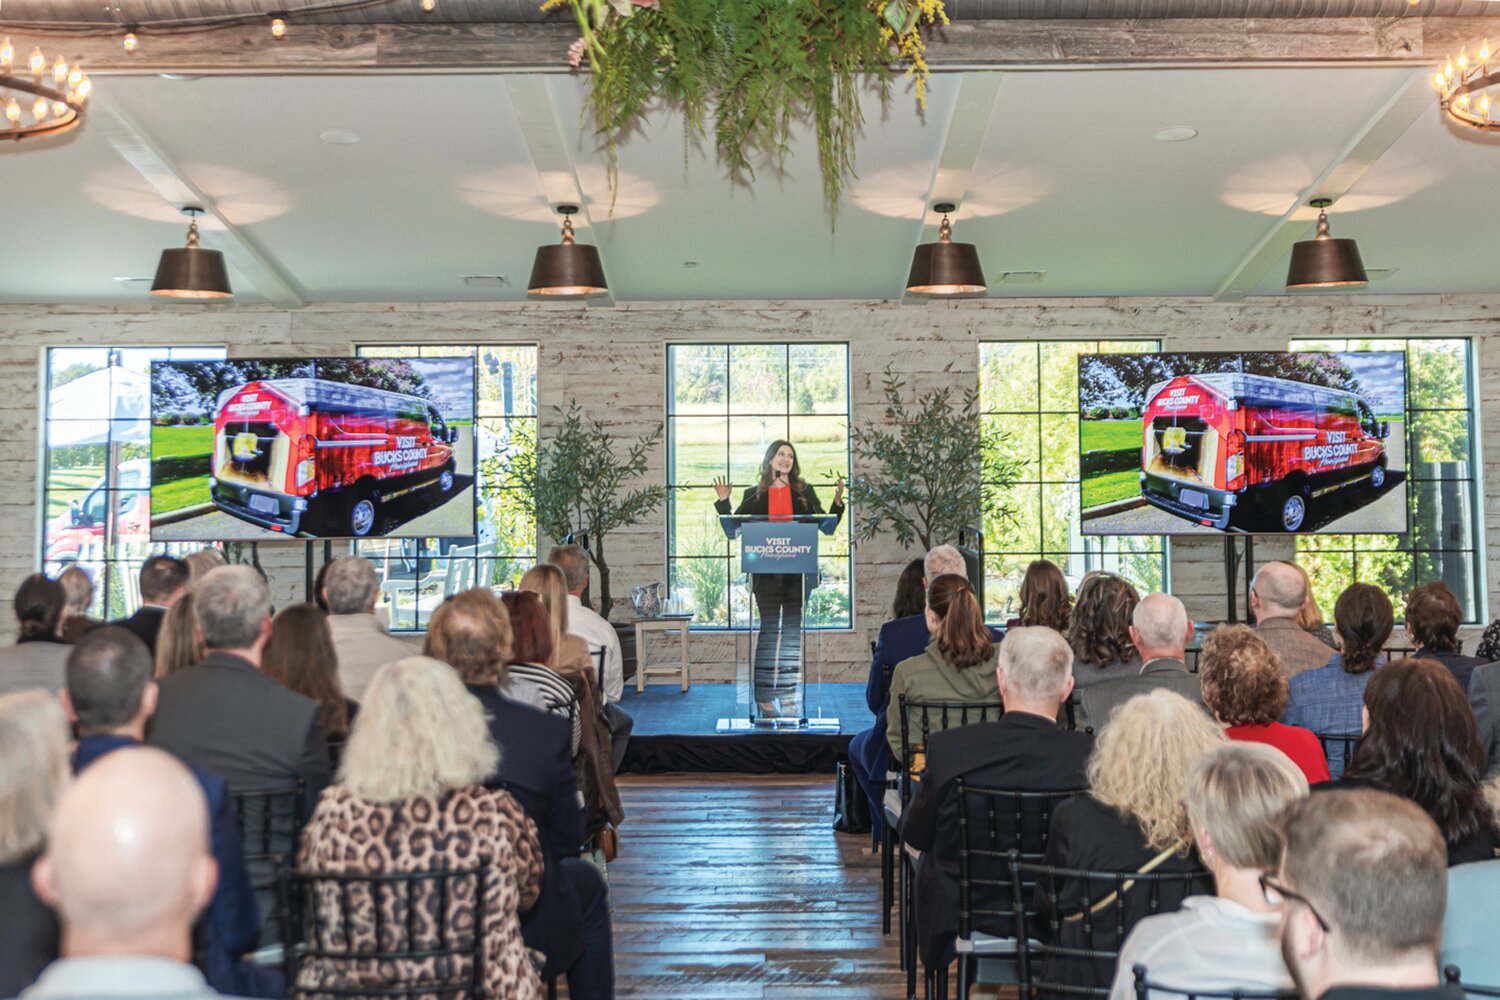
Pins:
x: 646, y: 599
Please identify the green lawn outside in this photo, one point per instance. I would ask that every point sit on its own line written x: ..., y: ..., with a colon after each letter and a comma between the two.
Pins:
x: 177, y: 494
x: 170, y: 441
x: 1110, y: 435
x: 1110, y: 487
x: 62, y: 482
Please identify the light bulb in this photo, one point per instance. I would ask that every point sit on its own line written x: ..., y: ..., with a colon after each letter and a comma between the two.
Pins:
x: 278, y: 28
x: 60, y: 70
x: 39, y: 109
x: 1463, y: 58
x: 38, y: 62
x: 429, y: 5
x: 7, y: 55
x: 1437, y: 80
x: 75, y: 77
x: 130, y: 42
x: 1448, y: 70
x: 1484, y: 104
x: 1484, y: 51
x: 1463, y: 101
x: 85, y: 88
x: 13, y: 111
x: 59, y: 109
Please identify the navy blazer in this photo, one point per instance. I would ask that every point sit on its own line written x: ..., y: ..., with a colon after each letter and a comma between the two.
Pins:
x: 145, y: 623
x: 536, y: 767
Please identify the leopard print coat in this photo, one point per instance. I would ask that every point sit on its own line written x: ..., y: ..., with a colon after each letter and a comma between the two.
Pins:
x: 463, y: 828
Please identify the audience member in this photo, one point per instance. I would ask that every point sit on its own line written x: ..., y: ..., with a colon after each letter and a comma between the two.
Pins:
x: 1161, y: 633
x: 1310, y: 618
x: 911, y: 590
x: 900, y: 639
x: 350, y: 589
x: 203, y: 561
x: 1244, y: 686
x: 600, y: 636
x: 163, y: 579
x: 1278, y: 597
x: 1131, y: 820
x: 1044, y: 597
x: 1024, y: 751
x: 178, y: 645
x: 78, y: 591
x: 33, y: 773
x: 957, y: 665
x: 109, y: 698
x: 1484, y: 699
x: 1433, y: 616
x: 410, y: 797
x: 1362, y: 889
x: 1099, y: 632
x: 36, y: 659
x: 1231, y: 940
x: 1328, y: 700
x: 128, y: 870
x: 568, y: 650
x: 570, y: 922
x: 301, y: 656
x: 1420, y: 743
x: 1488, y: 649
x: 527, y: 678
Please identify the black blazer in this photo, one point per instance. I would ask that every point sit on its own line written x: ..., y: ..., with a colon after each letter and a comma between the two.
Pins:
x: 536, y: 767
x: 758, y: 501
x: 1019, y: 752
x: 1460, y: 666
x: 30, y: 938
x: 145, y: 623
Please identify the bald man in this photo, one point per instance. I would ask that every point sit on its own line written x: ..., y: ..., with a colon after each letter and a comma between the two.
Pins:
x: 1161, y: 632
x: 1277, y: 595
x: 128, y: 870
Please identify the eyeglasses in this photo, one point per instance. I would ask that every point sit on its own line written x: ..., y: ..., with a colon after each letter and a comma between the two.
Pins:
x: 1276, y: 894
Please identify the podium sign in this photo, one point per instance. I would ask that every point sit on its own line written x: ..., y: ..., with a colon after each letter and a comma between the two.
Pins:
x: 779, y: 547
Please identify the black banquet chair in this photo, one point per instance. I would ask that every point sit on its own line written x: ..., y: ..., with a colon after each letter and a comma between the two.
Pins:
x: 1145, y: 989
x: 1453, y: 978
x: 271, y: 822
x: 1339, y: 746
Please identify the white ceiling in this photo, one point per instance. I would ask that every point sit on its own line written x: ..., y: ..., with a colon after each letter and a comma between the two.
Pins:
x: 454, y: 175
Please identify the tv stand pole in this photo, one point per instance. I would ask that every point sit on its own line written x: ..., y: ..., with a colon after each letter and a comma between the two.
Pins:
x: 1233, y: 557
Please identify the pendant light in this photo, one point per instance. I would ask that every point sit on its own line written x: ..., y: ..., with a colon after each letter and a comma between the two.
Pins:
x: 945, y: 268
x: 191, y: 272
x: 1324, y: 262
x: 567, y: 268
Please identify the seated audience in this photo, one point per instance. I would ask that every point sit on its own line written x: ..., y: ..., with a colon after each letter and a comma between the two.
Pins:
x: 163, y: 579
x: 36, y: 659
x: 958, y: 664
x: 1244, y: 686
x: 1130, y: 820
x: 350, y: 588
x: 109, y: 697
x: 1361, y: 888
x: 178, y: 645
x: 1044, y: 598
x: 128, y: 870
x: 301, y: 656
x: 570, y: 923
x: 1161, y: 633
x: 1231, y: 940
x: 1025, y: 751
x: 527, y: 678
x: 1420, y: 742
x: 900, y: 639
x: 1310, y: 618
x: 33, y: 772
x: 410, y: 797
x: 78, y: 591
x: 1329, y: 700
x: 911, y: 590
x: 201, y: 562
x: 1484, y: 699
x: 1433, y: 616
x: 601, y: 637
x: 1279, y: 596
x: 1099, y: 632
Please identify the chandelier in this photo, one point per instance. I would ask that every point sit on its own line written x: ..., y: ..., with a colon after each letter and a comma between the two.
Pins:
x: 40, y: 97
x: 1462, y: 84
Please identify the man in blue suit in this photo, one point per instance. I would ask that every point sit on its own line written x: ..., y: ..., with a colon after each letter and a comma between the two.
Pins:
x: 900, y: 639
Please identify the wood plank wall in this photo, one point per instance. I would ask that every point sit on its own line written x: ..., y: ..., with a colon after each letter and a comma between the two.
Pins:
x: 613, y: 360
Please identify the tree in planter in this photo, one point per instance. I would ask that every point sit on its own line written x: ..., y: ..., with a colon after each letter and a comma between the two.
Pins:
x: 932, y: 467
x: 576, y: 482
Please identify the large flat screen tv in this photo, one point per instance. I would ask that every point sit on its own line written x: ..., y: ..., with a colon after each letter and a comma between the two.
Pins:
x: 251, y: 450
x: 1260, y: 442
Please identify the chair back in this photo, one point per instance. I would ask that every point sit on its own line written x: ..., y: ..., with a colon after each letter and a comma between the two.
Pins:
x: 404, y: 934
x: 1144, y: 987
x: 920, y: 719
x: 1069, y: 940
x: 1339, y: 749
x: 1451, y: 976
x: 271, y: 821
x: 992, y: 823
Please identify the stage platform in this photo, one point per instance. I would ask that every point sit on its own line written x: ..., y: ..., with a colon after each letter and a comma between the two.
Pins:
x: 676, y: 730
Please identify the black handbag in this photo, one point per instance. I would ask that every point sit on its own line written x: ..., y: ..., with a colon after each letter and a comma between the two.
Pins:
x: 851, y: 810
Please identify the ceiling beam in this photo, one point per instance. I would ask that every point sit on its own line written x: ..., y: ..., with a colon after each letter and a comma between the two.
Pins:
x: 109, y: 119
x: 1370, y: 141
x: 980, y: 44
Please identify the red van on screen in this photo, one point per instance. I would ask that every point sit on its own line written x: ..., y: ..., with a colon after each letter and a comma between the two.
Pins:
x: 1255, y: 450
x: 305, y: 454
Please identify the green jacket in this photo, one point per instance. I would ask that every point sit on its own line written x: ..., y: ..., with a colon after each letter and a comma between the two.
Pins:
x: 928, y: 676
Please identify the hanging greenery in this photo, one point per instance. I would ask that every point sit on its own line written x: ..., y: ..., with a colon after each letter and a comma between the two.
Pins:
x: 755, y: 66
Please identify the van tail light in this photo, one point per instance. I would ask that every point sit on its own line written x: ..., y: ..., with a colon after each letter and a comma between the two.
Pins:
x: 1234, y: 461
x: 307, y: 466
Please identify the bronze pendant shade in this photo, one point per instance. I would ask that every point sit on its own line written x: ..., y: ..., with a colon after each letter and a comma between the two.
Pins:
x: 567, y: 268
x: 945, y: 268
x: 1324, y: 262
x: 191, y: 272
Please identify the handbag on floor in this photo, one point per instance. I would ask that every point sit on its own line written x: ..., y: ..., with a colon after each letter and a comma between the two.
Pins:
x: 851, y: 810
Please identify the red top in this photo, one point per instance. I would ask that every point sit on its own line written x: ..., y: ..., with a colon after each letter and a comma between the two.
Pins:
x: 779, y: 505
x: 1297, y: 743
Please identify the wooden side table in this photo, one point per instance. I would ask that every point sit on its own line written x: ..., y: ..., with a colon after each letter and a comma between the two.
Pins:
x: 661, y: 626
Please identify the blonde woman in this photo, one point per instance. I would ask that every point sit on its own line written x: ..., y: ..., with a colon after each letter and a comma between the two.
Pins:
x: 410, y: 797
x: 1310, y: 617
x: 177, y: 644
x: 1131, y: 819
x: 548, y: 583
x: 33, y: 771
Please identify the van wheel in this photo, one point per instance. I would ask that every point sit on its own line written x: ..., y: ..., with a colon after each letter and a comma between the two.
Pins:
x: 445, y: 481
x: 1293, y: 510
x: 1377, y: 476
x: 364, y: 513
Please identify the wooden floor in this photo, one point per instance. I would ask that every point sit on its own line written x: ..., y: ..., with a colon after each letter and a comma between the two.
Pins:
x: 737, y: 886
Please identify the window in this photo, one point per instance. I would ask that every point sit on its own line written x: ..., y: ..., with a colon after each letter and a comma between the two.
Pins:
x: 416, y: 574
x: 96, y: 510
x: 1444, y: 517
x: 1029, y: 392
x: 725, y: 404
